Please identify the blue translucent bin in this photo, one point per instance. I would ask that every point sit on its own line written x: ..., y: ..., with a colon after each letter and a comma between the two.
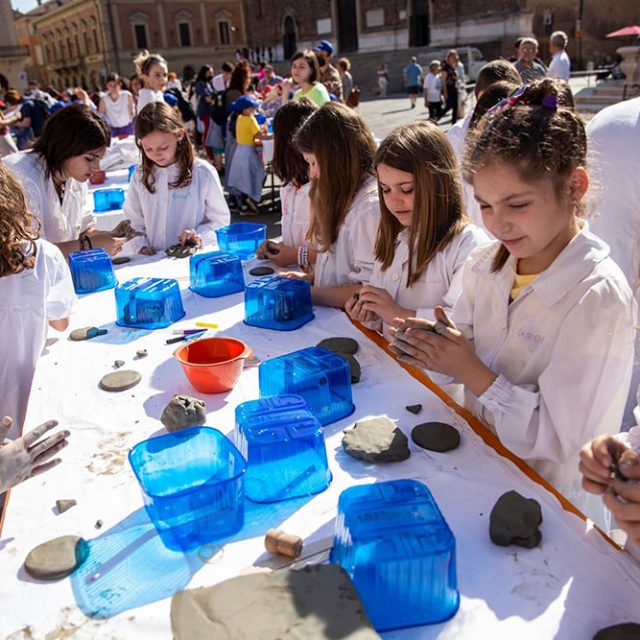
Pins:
x: 283, y: 444
x: 277, y: 303
x: 132, y: 170
x: 241, y: 239
x: 192, y: 483
x: 148, y: 303
x: 108, y: 199
x: 215, y: 274
x: 321, y: 377
x: 91, y: 271
x: 399, y: 551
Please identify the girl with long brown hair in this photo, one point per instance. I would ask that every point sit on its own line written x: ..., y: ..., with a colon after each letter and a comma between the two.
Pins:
x: 424, y: 236
x: 173, y: 196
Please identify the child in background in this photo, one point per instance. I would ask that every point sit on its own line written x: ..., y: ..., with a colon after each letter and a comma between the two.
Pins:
x: 290, y: 166
x: 36, y: 292
x: 118, y: 106
x: 424, y: 238
x: 246, y: 174
x: 153, y: 72
x: 543, y: 340
x: 433, y: 88
x: 173, y: 196
x: 345, y: 212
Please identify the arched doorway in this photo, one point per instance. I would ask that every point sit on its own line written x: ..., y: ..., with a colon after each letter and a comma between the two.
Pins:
x: 419, y: 24
x: 289, y: 44
x: 347, y: 26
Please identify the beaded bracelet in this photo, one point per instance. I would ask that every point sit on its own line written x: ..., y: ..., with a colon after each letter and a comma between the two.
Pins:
x: 303, y: 256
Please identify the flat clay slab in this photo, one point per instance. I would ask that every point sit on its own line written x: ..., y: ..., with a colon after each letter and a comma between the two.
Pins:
x: 120, y: 380
x: 515, y: 520
x: 57, y: 558
x: 86, y: 333
x: 339, y: 345
x: 183, y: 411
x: 316, y: 603
x: 355, y: 370
x: 436, y: 436
x: 261, y: 271
x: 376, y: 440
x: 625, y: 631
x: 120, y: 260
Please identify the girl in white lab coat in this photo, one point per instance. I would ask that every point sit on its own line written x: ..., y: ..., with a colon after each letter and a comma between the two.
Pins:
x: 173, y: 196
x: 36, y: 291
x: 424, y: 236
x: 292, y: 170
x: 544, y: 327
x: 54, y: 175
x: 339, y: 150
x: 153, y: 72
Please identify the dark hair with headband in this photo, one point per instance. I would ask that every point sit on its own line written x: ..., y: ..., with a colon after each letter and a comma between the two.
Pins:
x: 536, y: 131
x: 146, y: 60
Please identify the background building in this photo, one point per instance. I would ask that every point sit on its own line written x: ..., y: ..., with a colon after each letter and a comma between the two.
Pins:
x: 13, y: 58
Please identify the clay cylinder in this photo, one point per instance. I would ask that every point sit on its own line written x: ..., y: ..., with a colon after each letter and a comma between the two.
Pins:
x: 285, y: 544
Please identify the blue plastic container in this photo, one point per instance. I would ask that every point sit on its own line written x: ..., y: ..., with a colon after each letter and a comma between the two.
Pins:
x: 277, y: 303
x: 192, y: 483
x: 322, y: 378
x: 148, y: 303
x: 108, y: 199
x: 91, y: 271
x: 215, y: 274
x: 397, y: 548
x: 241, y: 239
x: 283, y: 444
x: 132, y: 170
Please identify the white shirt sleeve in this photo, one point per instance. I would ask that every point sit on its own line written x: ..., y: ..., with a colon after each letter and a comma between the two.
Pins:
x: 133, y: 211
x: 61, y: 296
x: 87, y: 216
x: 216, y: 209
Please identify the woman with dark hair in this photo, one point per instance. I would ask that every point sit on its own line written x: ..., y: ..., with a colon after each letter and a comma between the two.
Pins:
x: 54, y: 175
x: 305, y: 72
x: 211, y: 132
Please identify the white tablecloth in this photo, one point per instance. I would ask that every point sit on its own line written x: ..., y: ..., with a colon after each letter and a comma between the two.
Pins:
x: 572, y: 585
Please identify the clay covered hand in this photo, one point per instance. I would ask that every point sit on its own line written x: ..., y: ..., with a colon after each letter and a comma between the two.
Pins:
x: 124, y: 230
x: 190, y: 238
x: 147, y: 251
x: 354, y: 309
x: 597, y: 459
x: 380, y: 302
x: 104, y: 240
x: 29, y: 455
x: 297, y: 275
x: 277, y: 252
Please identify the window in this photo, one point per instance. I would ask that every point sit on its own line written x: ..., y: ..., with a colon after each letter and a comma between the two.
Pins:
x: 140, y: 31
x: 223, y: 31
x: 185, y: 34
x: 95, y: 40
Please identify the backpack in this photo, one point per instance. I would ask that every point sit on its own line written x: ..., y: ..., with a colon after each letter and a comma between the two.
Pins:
x: 353, y: 99
x: 218, y: 108
x: 184, y: 106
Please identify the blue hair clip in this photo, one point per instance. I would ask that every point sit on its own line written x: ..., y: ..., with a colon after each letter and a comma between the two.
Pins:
x: 550, y: 102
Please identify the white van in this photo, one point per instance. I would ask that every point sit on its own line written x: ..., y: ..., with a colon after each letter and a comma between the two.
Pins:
x: 471, y: 58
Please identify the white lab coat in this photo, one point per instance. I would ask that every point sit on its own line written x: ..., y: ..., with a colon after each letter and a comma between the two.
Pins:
x: 295, y: 214
x: 560, y: 66
x: 60, y: 222
x: 145, y: 96
x: 29, y: 300
x: 563, y: 351
x: 162, y: 216
x: 350, y: 259
x: 614, y: 165
x: 439, y: 284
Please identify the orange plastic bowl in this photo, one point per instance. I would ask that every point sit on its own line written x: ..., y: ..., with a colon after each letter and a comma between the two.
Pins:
x: 213, y: 365
x: 98, y: 177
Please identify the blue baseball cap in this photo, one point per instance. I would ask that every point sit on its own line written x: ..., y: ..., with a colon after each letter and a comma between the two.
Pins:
x: 324, y: 45
x: 244, y: 102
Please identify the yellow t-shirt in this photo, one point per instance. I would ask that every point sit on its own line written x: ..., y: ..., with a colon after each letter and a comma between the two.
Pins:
x: 520, y: 283
x: 246, y: 129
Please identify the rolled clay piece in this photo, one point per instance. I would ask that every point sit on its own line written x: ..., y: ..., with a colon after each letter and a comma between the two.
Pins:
x: 120, y: 380
x: 285, y: 544
x: 261, y: 271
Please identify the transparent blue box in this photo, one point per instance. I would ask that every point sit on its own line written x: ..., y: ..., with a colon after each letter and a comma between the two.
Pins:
x: 392, y: 540
x: 132, y: 170
x: 319, y: 376
x: 148, y: 303
x: 283, y: 444
x: 241, y: 238
x: 108, y: 199
x: 192, y: 484
x: 91, y: 271
x: 277, y: 303
x: 215, y: 274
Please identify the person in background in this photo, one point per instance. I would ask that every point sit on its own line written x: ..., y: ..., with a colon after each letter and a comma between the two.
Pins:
x: 31, y: 121
x: 560, y: 65
x: 135, y: 85
x: 270, y: 79
x: 452, y: 81
x: 344, y: 69
x: 221, y: 80
x: 7, y: 144
x: 412, y: 75
x: 153, y: 72
x: 205, y: 95
x: 434, y: 91
x: 383, y: 79
x: 305, y: 72
x: 118, y: 106
x: 329, y: 75
x: 526, y: 66
x: 173, y: 82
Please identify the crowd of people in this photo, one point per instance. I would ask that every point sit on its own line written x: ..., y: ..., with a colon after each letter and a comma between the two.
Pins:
x: 469, y: 251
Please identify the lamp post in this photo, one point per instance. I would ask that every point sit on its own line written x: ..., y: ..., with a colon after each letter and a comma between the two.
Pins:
x: 579, y: 32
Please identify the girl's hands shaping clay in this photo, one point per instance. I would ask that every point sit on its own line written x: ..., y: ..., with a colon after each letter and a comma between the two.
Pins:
x: 27, y: 456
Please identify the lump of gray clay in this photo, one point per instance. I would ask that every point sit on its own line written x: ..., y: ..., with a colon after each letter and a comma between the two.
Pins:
x: 376, y: 440
x: 86, y: 333
x: 355, y: 370
x: 436, y: 436
x: 181, y: 250
x: 339, y: 345
x: 624, y: 631
x: 118, y: 363
x: 315, y: 603
x: 120, y: 380
x: 120, y: 260
x: 515, y: 520
x: 56, y: 558
x: 65, y: 505
x: 182, y: 412
x: 142, y: 353
x: 261, y: 271
x: 414, y: 408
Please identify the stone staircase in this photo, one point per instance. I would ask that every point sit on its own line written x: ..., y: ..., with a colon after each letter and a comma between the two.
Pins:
x: 590, y: 100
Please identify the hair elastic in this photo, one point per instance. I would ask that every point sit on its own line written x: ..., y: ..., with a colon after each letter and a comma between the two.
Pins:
x: 550, y: 102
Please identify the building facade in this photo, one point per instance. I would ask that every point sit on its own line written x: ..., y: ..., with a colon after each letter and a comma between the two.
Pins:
x: 13, y: 57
